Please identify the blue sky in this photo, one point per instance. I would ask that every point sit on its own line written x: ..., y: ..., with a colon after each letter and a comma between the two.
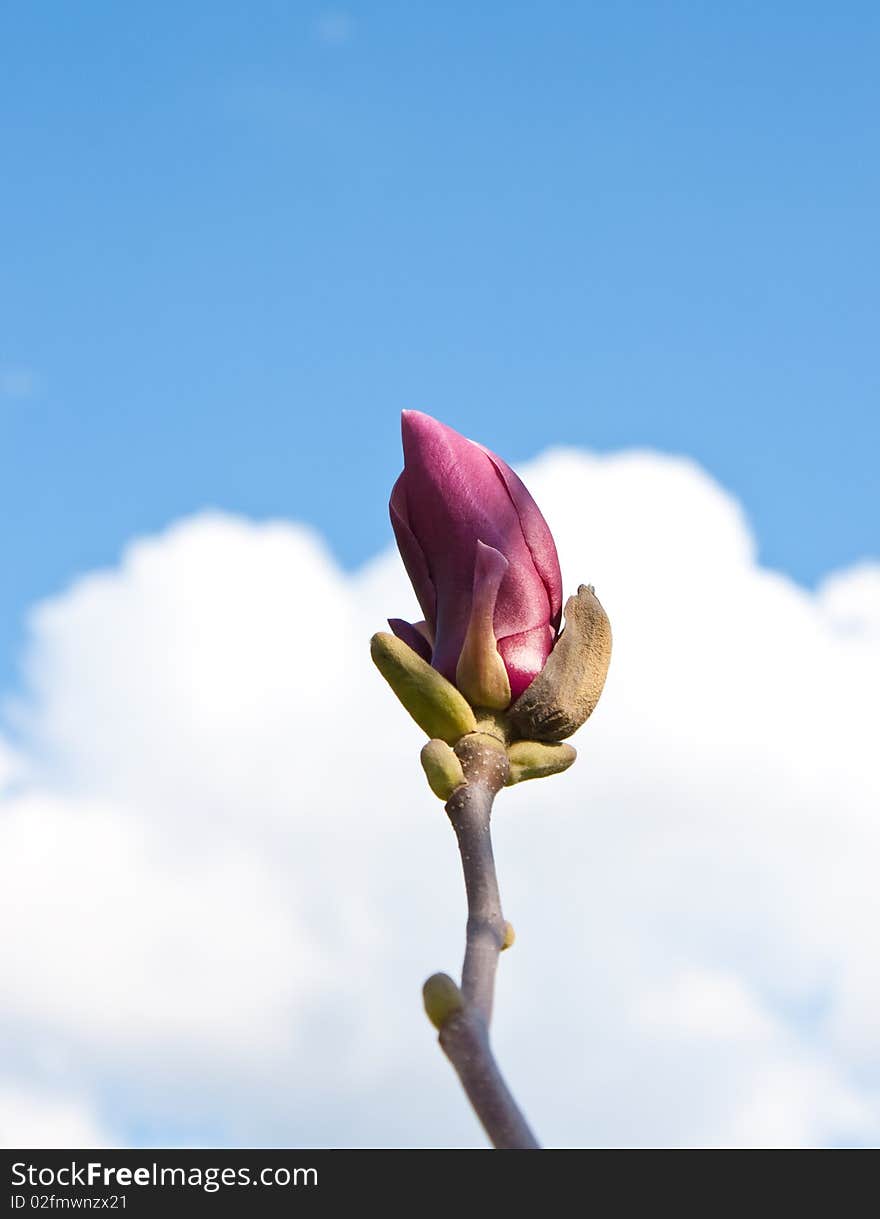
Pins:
x: 237, y: 240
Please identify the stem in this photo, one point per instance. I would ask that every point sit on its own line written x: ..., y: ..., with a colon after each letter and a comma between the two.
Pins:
x: 464, y: 1035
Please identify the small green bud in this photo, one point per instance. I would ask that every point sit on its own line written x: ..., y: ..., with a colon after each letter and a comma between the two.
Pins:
x: 442, y: 768
x: 442, y: 999
x: 536, y: 759
x: 433, y: 702
x: 509, y: 937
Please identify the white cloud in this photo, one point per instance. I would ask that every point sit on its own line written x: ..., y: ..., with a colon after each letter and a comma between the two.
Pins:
x: 851, y: 600
x: 227, y: 879
x: 9, y: 765
x: 34, y: 1119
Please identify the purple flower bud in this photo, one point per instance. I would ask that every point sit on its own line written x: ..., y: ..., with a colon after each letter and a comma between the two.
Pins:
x: 481, y: 560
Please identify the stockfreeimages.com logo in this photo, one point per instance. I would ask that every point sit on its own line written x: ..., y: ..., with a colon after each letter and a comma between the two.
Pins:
x: 107, y: 1176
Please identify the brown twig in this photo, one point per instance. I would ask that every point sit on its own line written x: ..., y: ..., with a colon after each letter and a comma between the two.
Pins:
x: 464, y: 1032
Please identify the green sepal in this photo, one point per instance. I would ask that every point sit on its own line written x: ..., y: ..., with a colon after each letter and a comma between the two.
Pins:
x: 536, y: 759
x: 442, y: 768
x: 433, y: 702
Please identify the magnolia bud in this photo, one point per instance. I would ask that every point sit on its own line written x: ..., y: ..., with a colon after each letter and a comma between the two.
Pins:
x: 482, y: 562
x: 565, y: 692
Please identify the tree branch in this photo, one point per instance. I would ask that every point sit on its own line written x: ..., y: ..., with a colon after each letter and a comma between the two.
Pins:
x: 464, y: 1032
